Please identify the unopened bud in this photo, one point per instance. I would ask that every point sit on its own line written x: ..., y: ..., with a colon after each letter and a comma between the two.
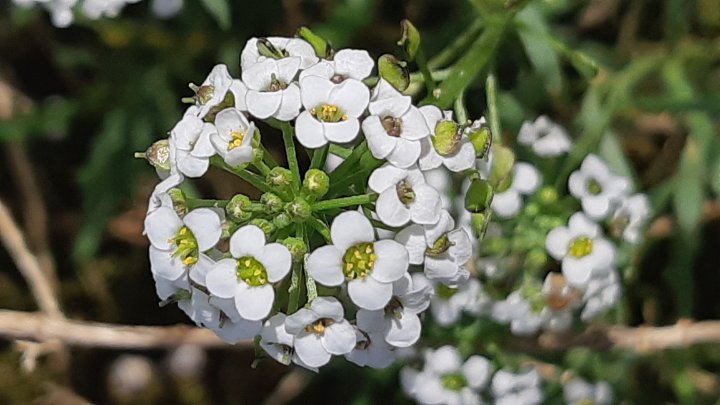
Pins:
x: 320, y: 45
x: 281, y: 220
x: 279, y: 177
x: 273, y: 204
x: 297, y: 247
x: 548, y: 195
x: 238, y: 208
x: 479, y: 196
x: 394, y: 72
x: 410, y: 39
x: 503, y: 161
x: 158, y: 154
x: 299, y: 210
x: 267, y: 227
x: 316, y: 183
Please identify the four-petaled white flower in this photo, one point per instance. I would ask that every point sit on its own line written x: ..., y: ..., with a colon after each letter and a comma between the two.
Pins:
x: 278, y: 343
x: 525, y: 179
x: 193, y: 149
x: 370, y: 267
x: 331, y: 111
x: 345, y: 64
x: 447, y: 145
x: 213, y: 89
x: 448, y: 303
x: 271, y: 91
x: 248, y: 277
x: 285, y: 47
x: 371, y: 349
x: 234, y: 136
x: 395, y: 127
x: 546, y: 138
x: 598, y: 189
x: 404, y: 196
x: 321, y: 331
x: 581, y: 247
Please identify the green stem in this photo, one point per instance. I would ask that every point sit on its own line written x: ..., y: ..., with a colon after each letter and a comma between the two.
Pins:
x: 461, y: 115
x: 294, y: 290
x: 252, y: 178
x: 491, y: 91
x: 421, y: 61
x: 193, y: 203
x: 339, y: 151
x: 320, y: 228
x: 264, y: 169
x: 318, y: 157
x: 268, y: 158
x: 344, y: 202
x: 349, y: 163
x: 288, y: 135
x: 450, y: 52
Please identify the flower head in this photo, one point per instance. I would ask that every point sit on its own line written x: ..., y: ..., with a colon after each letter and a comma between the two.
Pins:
x: 404, y: 196
x: 546, y: 138
x: 598, y: 189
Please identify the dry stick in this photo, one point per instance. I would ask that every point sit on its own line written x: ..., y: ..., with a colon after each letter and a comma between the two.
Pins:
x: 28, y: 264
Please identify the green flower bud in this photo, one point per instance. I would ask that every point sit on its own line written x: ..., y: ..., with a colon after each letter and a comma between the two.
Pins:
x: 536, y: 258
x: 268, y: 50
x: 298, y: 209
x: 503, y: 161
x: 316, y: 183
x: 238, y: 208
x: 279, y: 177
x: 548, y: 195
x: 177, y: 197
x: 532, y: 209
x: 281, y: 220
x: 410, y: 39
x: 273, y: 204
x: 320, y: 45
x: 158, y: 155
x: 297, y: 247
x: 446, y: 139
x: 481, y: 138
x: 479, y: 196
x: 394, y: 72
x: 267, y: 227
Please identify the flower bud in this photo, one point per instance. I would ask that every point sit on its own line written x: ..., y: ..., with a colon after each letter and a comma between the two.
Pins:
x: 480, y: 136
x: 238, y: 208
x: 394, y: 72
x: 316, y: 183
x: 410, y: 39
x: 266, y: 226
x: 279, y: 177
x: 320, y: 45
x: 273, y: 204
x: 503, y: 161
x: 177, y: 197
x: 548, y: 195
x: 297, y: 247
x: 281, y: 220
x: 446, y: 138
x: 158, y: 155
x: 536, y: 258
x: 479, y: 196
x: 298, y: 209
x: 268, y: 50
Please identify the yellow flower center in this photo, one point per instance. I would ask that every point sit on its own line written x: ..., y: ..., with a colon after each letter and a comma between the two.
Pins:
x: 318, y: 327
x: 328, y: 113
x: 186, y: 247
x: 580, y: 247
x: 593, y: 187
x: 251, y: 271
x: 359, y: 261
x: 238, y: 136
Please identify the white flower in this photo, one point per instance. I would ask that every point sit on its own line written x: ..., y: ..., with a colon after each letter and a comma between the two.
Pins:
x: 394, y: 128
x: 191, y: 137
x: 346, y: 63
x: 546, y: 138
x: 448, y: 303
x: 331, y: 111
x: 598, y: 189
x: 581, y: 247
x: 248, y: 277
x: 271, y: 91
x: 278, y: 343
x: 512, y: 389
x: 369, y: 267
x: 399, y: 323
x: 287, y: 47
x: 320, y: 331
x: 561, y: 299
x: 603, y: 292
x: 234, y: 136
x: 213, y: 89
x: 445, y: 379
x: 404, y: 196
x: 453, y: 150
x: 516, y: 311
x: 229, y: 326
x: 630, y: 216
x: 440, y: 180
x: 525, y: 179
x: 177, y: 243
x: 95, y: 9
x: 578, y: 392
x: 444, y: 251
x: 171, y: 179
x: 371, y: 349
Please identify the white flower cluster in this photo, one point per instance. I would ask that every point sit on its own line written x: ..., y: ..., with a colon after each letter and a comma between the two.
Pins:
x: 62, y: 11
x: 226, y: 268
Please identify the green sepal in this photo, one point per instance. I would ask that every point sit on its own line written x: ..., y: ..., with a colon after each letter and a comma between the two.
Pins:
x: 320, y: 45
x: 394, y: 71
x: 410, y: 39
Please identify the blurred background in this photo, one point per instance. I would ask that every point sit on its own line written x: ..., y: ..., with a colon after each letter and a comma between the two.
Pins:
x: 77, y: 102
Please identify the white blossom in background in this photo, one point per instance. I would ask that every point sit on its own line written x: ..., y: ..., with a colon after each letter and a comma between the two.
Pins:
x: 213, y: 89
x: 287, y: 47
x: 278, y: 343
x: 394, y: 127
x: 525, y: 180
x: 370, y: 267
x: 598, y: 189
x: 371, y: 348
x: 271, y: 91
x: 517, y: 311
x: 509, y: 388
x: 61, y: 11
x: 630, y: 216
x: 404, y: 196
x: 580, y: 392
x: 447, y: 304
x: 603, y: 292
x: 581, y: 248
x: 345, y: 64
x: 331, y: 111
x: 546, y: 138
x: 321, y: 331
x: 446, y: 379
x: 454, y: 151
x: 561, y: 300
x: 233, y: 137
x: 249, y: 275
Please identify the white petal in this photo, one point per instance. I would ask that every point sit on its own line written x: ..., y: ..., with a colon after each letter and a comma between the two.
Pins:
x: 580, y: 224
x: 233, y: 332
x: 440, y: 268
x: 391, y: 261
x: 427, y: 206
x: 463, y: 159
x: 295, y: 323
x: 349, y: 229
x: 287, y: 68
x: 444, y: 360
x: 391, y: 210
x: 394, y: 107
x: 414, y: 126
x: 203, y: 147
x: 310, y: 350
x: 290, y: 105
x: 238, y: 156
x: 341, y: 131
x: 603, y: 253
x: 277, y: 261
x: 429, y: 158
x: 506, y: 204
x: 263, y: 104
x: 339, y: 338
x: 404, y: 332
x: 323, y: 69
x: 164, y: 265
x: 352, y: 96
x: 460, y: 246
x: 577, y: 184
x: 596, y: 207
x: 476, y: 371
x: 371, y: 321
x: 239, y: 91
x: 324, y: 265
x: 526, y: 178
x: 413, y: 237
x: 249, y: 240
x: 432, y: 115
x: 577, y: 271
x: 254, y: 303
x: 328, y: 307
x: 206, y: 227
x: 557, y: 242
x: 405, y: 153
x: 162, y: 225
x: 386, y: 177
x: 379, y: 142
x: 221, y: 281
x: 309, y: 131
x: 369, y: 293
x: 315, y: 91
x: 444, y: 224
x: 354, y: 63
x: 192, y: 166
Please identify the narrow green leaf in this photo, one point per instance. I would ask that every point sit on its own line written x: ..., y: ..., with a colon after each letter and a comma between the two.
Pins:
x: 689, y: 193
x: 220, y: 10
x: 535, y: 35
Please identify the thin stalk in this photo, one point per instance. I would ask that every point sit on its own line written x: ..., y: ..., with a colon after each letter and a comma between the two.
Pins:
x: 193, y: 203
x: 344, y: 202
x: 421, y: 61
x: 461, y: 114
x: 320, y: 228
x: 491, y: 91
x: 253, y: 179
x: 318, y: 157
x: 450, y: 52
x: 267, y: 157
x: 264, y: 169
x: 339, y: 151
x: 288, y: 135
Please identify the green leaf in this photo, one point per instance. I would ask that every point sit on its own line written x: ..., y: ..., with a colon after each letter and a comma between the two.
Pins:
x: 612, y: 152
x: 220, y: 10
x: 535, y: 35
x: 689, y: 194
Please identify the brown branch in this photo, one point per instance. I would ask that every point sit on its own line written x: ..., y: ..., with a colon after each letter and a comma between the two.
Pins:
x: 28, y: 264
